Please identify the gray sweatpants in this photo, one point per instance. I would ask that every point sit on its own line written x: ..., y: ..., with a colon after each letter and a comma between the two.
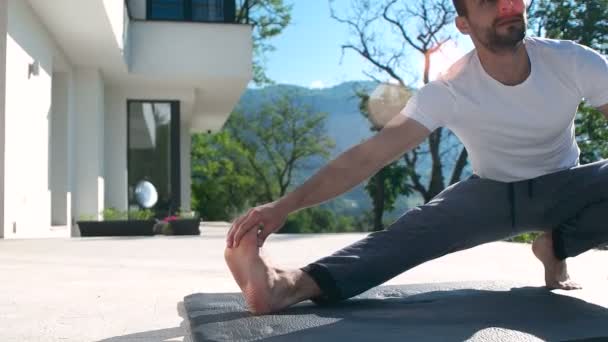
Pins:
x: 573, y: 203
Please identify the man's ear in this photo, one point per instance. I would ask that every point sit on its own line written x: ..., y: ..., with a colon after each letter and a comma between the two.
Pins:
x: 463, y: 25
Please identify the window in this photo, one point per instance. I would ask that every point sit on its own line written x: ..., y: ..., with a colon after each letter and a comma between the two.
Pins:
x: 192, y: 10
x: 166, y: 9
x: 208, y: 10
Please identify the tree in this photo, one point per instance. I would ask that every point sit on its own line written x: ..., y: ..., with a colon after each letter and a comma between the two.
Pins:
x: 394, y: 21
x: 280, y: 138
x: 268, y: 19
x: 317, y: 220
x: 256, y: 158
x: 219, y: 191
x: 586, y: 23
x: 387, y: 184
x: 223, y: 185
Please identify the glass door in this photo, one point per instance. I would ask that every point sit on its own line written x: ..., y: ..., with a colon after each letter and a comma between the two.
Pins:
x: 153, y: 155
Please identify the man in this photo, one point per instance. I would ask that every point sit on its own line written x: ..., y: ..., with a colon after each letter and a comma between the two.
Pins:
x: 512, y: 103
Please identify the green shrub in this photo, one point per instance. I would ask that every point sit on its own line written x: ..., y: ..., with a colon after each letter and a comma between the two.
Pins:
x: 186, y: 214
x: 113, y: 214
x: 141, y: 214
x: 87, y: 218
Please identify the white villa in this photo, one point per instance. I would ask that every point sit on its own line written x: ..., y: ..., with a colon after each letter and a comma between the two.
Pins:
x: 97, y: 95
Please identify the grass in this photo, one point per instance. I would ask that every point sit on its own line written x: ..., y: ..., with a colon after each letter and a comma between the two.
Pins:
x: 530, y: 237
x: 525, y: 238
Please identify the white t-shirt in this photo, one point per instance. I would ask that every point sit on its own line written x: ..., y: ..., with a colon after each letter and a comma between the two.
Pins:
x: 517, y: 132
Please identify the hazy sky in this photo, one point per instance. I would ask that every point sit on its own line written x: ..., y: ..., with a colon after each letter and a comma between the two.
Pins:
x: 308, y: 51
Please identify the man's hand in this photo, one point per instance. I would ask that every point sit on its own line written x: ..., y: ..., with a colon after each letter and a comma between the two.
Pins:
x: 267, y: 218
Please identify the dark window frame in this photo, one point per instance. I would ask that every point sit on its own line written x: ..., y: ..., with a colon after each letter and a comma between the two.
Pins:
x: 176, y: 176
x: 229, y: 15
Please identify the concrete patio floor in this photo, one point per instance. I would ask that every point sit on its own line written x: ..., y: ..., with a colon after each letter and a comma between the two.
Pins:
x: 132, y: 289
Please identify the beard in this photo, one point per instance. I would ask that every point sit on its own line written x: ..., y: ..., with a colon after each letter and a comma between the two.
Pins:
x: 505, y: 41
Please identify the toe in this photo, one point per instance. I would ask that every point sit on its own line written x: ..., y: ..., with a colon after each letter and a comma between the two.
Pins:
x: 564, y: 285
x: 572, y: 286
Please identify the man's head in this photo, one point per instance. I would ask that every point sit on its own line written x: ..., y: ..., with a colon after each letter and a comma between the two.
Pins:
x: 498, y: 25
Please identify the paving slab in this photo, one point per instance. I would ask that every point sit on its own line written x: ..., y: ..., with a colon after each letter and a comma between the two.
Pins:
x: 132, y: 289
x: 461, y: 311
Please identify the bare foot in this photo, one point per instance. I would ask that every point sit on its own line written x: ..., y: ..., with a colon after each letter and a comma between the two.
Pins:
x: 556, y: 271
x: 266, y: 289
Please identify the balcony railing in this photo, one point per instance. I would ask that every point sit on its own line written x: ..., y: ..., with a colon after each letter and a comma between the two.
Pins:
x: 208, y: 11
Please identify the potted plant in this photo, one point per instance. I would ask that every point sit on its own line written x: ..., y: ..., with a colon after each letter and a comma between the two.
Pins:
x: 182, y: 223
x: 119, y: 223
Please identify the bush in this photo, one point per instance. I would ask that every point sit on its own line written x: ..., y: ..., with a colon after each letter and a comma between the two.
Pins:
x: 317, y: 220
x: 141, y: 214
x: 186, y: 214
x: 113, y: 214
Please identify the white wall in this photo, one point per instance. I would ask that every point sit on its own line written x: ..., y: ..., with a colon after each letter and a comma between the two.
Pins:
x: 59, y: 151
x: 27, y: 197
x: 116, y: 137
x: 115, y: 154
x: 71, y: 142
x: 88, y: 197
x: 3, y: 24
x: 191, y: 51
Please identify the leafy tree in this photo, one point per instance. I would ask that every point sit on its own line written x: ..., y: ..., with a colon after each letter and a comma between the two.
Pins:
x: 384, y: 188
x: 317, y: 220
x: 256, y: 158
x: 268, y: 18
x: 387, y: 184
x: 223, y: 184
x: 280, y: 138
x: 421, y: 26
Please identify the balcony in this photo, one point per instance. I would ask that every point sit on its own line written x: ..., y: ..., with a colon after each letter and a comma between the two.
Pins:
x: 199, y: 44
x: 207, y: 11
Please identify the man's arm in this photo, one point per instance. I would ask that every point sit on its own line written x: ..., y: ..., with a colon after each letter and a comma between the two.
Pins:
x: 360, y: 162
x: 357, y: 164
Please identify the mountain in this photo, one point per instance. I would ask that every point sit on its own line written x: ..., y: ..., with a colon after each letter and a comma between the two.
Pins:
x: 345, y: 124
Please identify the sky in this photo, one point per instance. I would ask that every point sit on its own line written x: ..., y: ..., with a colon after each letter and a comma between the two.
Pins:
x: 308, y: 52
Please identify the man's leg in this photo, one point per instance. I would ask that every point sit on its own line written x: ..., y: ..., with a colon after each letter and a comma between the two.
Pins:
x: 464, y: 215
x: 579, y: 215
x: 556, y: 270
x: 582, y: 233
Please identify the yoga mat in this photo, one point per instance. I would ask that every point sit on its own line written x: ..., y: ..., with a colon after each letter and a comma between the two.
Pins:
x: 473, y: 311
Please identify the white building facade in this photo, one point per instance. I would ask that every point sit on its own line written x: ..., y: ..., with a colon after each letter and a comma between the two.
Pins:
x: 97, y: 95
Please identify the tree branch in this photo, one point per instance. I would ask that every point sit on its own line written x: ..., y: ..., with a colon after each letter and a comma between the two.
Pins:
x: 459, y: 166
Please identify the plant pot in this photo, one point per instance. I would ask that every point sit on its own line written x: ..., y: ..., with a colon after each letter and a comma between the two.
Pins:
x: 186, y: 226
x: 116, y: 228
